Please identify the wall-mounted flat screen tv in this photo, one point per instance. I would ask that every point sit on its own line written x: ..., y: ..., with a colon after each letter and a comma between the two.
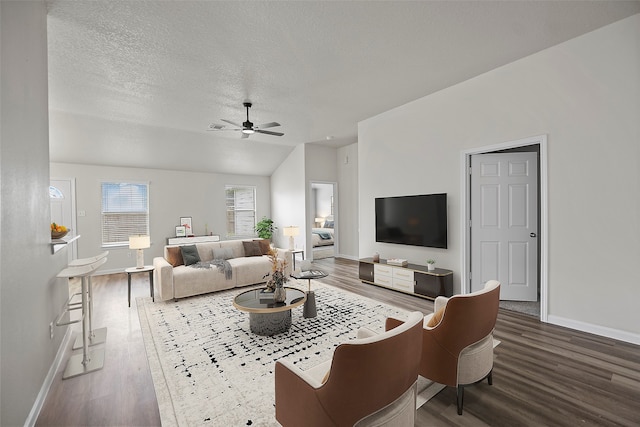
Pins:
x: 412, y: 220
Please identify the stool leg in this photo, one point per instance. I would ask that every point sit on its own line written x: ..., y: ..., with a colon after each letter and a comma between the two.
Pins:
x: 129, y: 287
x: 97, y: 336
x: 88, y: 361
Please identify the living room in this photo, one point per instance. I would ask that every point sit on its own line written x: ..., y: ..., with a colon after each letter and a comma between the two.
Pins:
x: 582, y: 94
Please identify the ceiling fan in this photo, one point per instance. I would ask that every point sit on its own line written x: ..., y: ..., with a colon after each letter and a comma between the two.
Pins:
x: 247, y: 128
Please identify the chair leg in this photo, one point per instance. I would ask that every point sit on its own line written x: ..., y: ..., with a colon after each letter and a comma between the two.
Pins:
x: 459, y: 398
x: 490, y: 377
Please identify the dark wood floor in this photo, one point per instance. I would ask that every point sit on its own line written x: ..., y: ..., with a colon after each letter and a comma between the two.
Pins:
x: 543, y: 374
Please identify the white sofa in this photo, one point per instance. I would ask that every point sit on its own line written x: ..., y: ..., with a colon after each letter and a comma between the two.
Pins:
x: 183, y: 281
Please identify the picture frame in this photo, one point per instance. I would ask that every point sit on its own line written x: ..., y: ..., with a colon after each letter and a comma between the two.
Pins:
x: 181, y: 231
x: 185, y: 221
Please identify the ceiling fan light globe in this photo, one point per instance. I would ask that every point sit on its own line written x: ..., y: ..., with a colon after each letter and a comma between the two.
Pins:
x: 248, y: 131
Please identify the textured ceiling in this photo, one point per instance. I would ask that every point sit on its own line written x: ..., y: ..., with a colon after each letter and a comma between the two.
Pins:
x: 137, y: 83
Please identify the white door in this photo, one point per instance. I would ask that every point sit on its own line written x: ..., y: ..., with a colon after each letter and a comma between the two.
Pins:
x: 504, y: 223
x: 62, y: 197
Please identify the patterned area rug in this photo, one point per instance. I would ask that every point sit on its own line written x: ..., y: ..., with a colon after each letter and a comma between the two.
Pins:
x: 208, y: 368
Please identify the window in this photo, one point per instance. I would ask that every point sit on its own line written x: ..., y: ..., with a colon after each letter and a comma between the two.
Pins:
x: 125, y: 211
x: 241, y: 210
x: 55, y: 193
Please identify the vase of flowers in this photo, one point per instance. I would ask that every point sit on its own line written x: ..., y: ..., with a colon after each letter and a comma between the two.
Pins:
x: 277, y: 278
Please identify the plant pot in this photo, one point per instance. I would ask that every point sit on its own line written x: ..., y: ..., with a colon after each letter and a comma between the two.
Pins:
x: 431, y: 267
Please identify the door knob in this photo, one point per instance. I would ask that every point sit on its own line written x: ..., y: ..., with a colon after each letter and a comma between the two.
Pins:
x: 532, y: 235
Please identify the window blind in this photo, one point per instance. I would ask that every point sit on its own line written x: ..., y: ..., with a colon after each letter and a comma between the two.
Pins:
x: 125, y: 211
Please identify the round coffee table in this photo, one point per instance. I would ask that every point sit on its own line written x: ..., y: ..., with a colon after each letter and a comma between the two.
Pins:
x: 267, y: 317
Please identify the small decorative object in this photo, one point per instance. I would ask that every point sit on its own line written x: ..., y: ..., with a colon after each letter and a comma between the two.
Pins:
x: 185, y: 221
x: 58, y: 231
x: 398, y: 261
x: 265, y: 228
x: 278, y: 279
x: 431, y: 264
x: 181, y: 231
x: 376, y: 257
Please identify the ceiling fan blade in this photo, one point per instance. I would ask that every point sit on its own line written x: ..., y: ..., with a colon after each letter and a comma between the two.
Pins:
x: 231, y: 123
x: 244, y: 135
x: 216, y: 127
x: 268, y: 132
x: 268, y: 125
x: 223, y: 129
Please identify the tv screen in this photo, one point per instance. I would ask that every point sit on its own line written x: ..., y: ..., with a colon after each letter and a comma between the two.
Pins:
x: 412, y: 220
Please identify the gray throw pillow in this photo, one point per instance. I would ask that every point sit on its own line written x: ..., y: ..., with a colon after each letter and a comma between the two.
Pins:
x: 190, y: 254
x: 222, y: 253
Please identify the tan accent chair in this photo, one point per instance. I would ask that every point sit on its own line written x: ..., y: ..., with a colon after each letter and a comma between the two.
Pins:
x: 371, y: 381
x: 458, y: 351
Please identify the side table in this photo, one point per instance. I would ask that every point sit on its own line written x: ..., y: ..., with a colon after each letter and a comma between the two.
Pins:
x: 132, y: 270
x: 293, y: 255
x: 309, y: 309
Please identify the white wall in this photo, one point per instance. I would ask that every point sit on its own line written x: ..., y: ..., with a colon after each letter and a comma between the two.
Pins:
x: 288, y: 197
x: 585, y: 95
x: 30, y: 294
x: 347, y: 164
x: 172, y: 194
x: 320, y: 166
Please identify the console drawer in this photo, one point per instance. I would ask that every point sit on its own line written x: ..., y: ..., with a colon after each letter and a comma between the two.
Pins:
x: 403, y: 285
x: 382, y: 270
x: 403, y: 274
x: 383, y: 280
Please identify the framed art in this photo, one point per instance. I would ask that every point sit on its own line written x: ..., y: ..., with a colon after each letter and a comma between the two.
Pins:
x: 181, y: 231
x: 185, y: 221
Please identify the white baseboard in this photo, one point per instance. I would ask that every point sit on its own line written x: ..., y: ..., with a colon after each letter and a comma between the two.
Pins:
x: 595, y: 329
x: 46, y: 385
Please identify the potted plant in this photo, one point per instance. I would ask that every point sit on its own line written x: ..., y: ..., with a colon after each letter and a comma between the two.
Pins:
x: 431, y: 264
x: 265, y: 228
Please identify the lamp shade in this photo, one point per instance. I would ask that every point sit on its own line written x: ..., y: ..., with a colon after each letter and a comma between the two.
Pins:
x: 139, y: 242
x: 291, y: 231
x: 319, y: 219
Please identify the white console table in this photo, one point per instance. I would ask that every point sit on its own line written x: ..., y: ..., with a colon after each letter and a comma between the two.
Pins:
x: 191, y: 240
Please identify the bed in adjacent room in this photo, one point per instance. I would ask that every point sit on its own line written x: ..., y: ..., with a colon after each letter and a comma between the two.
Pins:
x: 322, y: 237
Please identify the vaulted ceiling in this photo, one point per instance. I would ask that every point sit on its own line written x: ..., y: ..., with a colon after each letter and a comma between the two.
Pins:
x: 137, y: 83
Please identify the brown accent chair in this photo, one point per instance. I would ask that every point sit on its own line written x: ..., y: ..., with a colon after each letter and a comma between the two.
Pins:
x: 371, y: 380
x: 458, y: 350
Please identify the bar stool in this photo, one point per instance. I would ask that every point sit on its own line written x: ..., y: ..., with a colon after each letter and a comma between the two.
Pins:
x: 97, y: 336
x: 89, y: 360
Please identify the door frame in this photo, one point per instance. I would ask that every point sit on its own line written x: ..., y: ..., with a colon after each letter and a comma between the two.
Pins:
x: 73, y: 252
x: 465, y: 214
x: 336, y: 219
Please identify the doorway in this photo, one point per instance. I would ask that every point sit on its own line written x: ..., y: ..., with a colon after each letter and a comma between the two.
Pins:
x: 530, y: 249
x: 323, y: 220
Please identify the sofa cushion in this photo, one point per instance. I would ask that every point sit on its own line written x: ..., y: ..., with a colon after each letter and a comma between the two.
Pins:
x: 252, y: 248
x: 174, y: 256
x: 190, y: 254
x: 235, y: 245
x: 222, y: 253
x: 265, y: 245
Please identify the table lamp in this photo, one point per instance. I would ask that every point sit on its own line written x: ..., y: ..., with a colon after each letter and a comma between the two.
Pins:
x: 291, y: 231
x: 319, y: 222
x: 139, y: 242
